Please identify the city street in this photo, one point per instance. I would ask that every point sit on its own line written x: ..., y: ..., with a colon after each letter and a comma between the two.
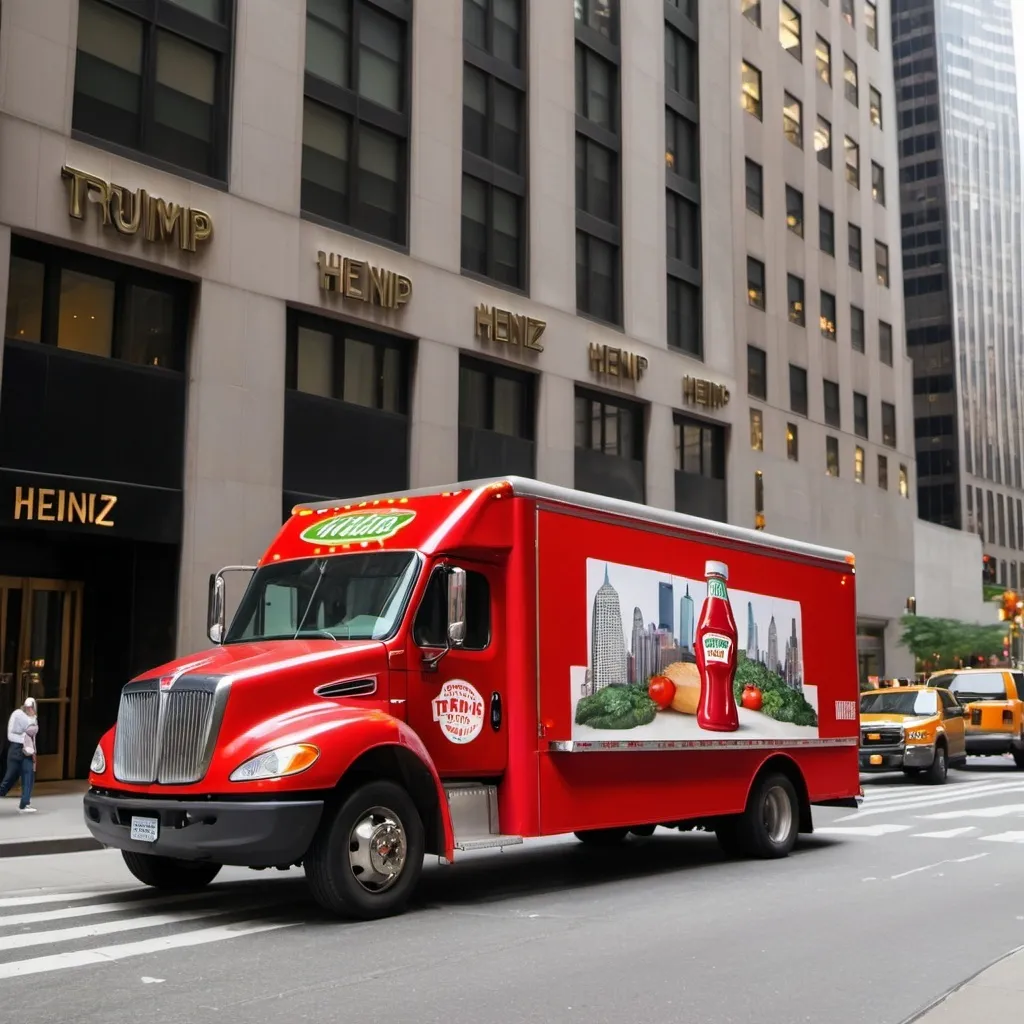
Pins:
x: 874, y: 917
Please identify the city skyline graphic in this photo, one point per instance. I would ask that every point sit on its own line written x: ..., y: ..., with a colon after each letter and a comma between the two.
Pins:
x: 642, y: 621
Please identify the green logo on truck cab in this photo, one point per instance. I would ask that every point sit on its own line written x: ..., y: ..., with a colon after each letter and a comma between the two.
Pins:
x: 356, y: 526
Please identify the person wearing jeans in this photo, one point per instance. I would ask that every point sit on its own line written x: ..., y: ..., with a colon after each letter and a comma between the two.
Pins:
x: 21, y: 753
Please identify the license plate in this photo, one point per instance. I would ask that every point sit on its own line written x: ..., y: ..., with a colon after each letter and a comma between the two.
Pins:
x: 145, y: 830
x: 875, y: 759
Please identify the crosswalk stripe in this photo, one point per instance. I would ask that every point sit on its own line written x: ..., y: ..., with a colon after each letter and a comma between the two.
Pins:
x: 876, y: 796
x: 1004, y: 837
x: 92, y: 909
x: 947, y: 797
x: 54, y: 897
x: 999, y: 811
x: 949, y: 833
x: 110, y: 954
x: 862, y: 830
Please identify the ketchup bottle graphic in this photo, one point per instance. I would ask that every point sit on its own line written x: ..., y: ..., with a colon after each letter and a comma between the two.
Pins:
x: 716, y: 654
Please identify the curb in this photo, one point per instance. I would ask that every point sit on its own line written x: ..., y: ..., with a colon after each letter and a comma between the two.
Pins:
x: 936, y: 1003
x: 45, y: 847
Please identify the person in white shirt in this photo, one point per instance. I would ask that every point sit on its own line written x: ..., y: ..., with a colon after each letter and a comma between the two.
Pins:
x: 22, y: 727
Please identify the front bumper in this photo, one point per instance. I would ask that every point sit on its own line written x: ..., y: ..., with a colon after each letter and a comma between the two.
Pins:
x: 257, y: 833
x: 894, y: 759
x: 988, y: 743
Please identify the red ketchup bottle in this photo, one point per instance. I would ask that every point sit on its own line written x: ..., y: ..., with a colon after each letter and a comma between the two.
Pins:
x: 716, y: 654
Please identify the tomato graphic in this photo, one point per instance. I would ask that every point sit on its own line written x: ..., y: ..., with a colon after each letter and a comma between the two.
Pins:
x: 751, y: 698
x: 661, y: 690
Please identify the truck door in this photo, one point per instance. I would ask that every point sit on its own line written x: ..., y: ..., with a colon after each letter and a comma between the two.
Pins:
x: 458, y: 707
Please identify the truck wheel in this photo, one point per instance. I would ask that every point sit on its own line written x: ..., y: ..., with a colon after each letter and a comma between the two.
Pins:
x: 169, y: 872
x: 602, y: 836
x: 1018, y: 756
x: 768, y: 828
x: 936, y: 775
x: 367, y: 858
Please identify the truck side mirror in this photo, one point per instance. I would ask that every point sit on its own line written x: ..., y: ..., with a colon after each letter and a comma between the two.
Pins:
x: 456, y: 607
x: 215, y: 625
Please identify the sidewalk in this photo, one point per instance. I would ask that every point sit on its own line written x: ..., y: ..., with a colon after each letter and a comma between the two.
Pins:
x: 995, y: 994
x: 58, y: 827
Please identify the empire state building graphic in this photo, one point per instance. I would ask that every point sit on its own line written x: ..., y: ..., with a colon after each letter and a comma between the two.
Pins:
x: 607, y: 641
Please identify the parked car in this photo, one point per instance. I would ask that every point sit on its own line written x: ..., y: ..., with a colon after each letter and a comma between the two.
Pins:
x: 994, y: 699
x: 912, y: 729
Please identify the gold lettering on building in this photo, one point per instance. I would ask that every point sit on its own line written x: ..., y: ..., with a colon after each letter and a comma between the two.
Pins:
x: 57, y: 505
x: 130, y: 212
x: 363, y: 282
x: 697, y: 391
x: 607, y: 361
x: 499, y: 325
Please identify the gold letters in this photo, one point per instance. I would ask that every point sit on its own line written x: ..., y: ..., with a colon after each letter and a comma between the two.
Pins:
x: 363, y: 282
x: 132, y: 212
x: 705, y: 392
x: 493, y: 324
x: 56, y: 505
x: 616, y: 362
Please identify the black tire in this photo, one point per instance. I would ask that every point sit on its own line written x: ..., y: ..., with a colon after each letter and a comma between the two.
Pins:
x: 602, y: 836
x: 768, y: 828
x: 169, y: 873
x: 936, y: 775
x: 643, y: 830
x: 912, y: 773
x: 1018, y: 758
x: 349, y: 890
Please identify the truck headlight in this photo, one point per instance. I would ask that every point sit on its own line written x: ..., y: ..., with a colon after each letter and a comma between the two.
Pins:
x: 98, y: 764
x: 274, y: 764
x: 917, y: 734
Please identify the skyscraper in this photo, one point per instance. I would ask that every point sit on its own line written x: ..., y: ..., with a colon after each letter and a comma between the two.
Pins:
x: 792, y: 673
x: 665, y: 607
x: 960, y: 196
x: 686, y: 621
x: 607, y: 641
x: 773, y: 647
x: 751, y: 633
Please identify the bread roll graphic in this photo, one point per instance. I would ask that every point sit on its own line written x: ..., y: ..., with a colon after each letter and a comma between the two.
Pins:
x: 686, y: 677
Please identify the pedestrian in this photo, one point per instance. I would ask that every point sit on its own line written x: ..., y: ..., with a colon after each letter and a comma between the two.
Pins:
x: 21, y: 753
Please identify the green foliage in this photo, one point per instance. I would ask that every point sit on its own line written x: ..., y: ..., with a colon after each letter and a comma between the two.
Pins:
x: 992, y: 592
x: 779, y: 701
x: 616, y: 707
x: 949, y: 643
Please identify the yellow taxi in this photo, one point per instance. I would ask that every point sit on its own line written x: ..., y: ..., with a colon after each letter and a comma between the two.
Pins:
x: 994, y: 699
x: 912, y: 729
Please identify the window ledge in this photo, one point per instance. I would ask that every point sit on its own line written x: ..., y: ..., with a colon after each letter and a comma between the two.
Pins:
x: 347, y: 229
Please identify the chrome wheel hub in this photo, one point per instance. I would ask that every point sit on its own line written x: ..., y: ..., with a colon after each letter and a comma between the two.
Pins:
x: 377, y: 849
x: 778, y: 815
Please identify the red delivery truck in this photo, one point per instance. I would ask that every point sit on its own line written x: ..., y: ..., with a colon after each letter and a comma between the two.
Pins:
x: 438, y: 671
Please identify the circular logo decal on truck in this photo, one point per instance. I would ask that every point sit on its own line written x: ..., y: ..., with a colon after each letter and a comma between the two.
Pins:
x: 459, y: 710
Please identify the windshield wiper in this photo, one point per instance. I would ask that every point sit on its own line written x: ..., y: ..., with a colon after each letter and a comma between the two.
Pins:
x: 317, y: 629
x: 312, y: 596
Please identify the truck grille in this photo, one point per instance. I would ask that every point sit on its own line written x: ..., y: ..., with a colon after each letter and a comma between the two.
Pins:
x: 163, y: 737
x: 886, y: 737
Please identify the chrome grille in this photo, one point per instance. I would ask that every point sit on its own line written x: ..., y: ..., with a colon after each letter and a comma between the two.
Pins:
x: 163, y: 737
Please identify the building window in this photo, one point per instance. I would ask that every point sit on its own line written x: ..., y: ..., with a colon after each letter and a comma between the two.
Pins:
x: 797, y: 389
x: 847, y: 11
x: 356, y: 125
x: 793, y: 120
x: 858, y: 464
x: 875, y: 106
x: 700, y: 468
x: 889, y: 425
x: 757, y: 373
x: 682, y: 222
x: 795, y: 211
x: 827, y: 317
x: 682, y: 152
x: 752, y: 11
x: 756, y: 430
x: 850, y: 80
x: 755, y: 283
x: 792, y: 443
x: 904, y: 482
x: 157, y: 81
x: 96, y: 308
x: 854, y: 247
x: 493, y: 143
x: 496, y: 420
x: 823, y: 142
x: 680, y: 64
x: 882, y: 263
x: 823, y: 59
x: 795, y: 299
x: 751, y: 93
x: 878, y: 183
x: 857, y: 329
x: 860, y: 414
x: 755, y: 188
x: 852, y: 161
x: 826, y: 231
x: 759, y: 522
x: 598, y: 203
x: 871, y: 22
x: 789, y: 30
x: 830, y: 392
x: 609, y: 426
x: 883, y: 472
x: 885, y: 342
x: 684, y: 316
x: 831, y: 455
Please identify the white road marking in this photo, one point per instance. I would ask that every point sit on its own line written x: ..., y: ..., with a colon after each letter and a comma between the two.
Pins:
x: 91, y: 909
x: 927, y: 800
x: 110, y: 954
x: 999, y: 811
x: 1005, y: 837
x: 151, y: 981
x: 949, y: 833
x: 938, y: 864
x: 862, y: 830
x: 901, y: 793
x: 57, y: 897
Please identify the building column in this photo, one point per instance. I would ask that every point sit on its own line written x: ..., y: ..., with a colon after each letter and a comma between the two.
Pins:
x: 556, y: 427
x: 659, y: 462
x: 434, y: 415
x: 234, y: 445
x: 5, y: 277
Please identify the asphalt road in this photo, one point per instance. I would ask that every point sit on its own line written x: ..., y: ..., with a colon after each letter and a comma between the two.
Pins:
x: 869, y: 920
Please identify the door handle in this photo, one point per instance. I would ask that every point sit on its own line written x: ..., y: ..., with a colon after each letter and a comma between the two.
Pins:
x: 495, y: 710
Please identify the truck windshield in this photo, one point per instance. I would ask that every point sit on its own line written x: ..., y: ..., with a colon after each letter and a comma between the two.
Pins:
x: 910, y: 702
x: 341, y: 597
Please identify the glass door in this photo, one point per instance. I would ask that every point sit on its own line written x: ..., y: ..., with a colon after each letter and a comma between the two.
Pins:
x: 40, y: 639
